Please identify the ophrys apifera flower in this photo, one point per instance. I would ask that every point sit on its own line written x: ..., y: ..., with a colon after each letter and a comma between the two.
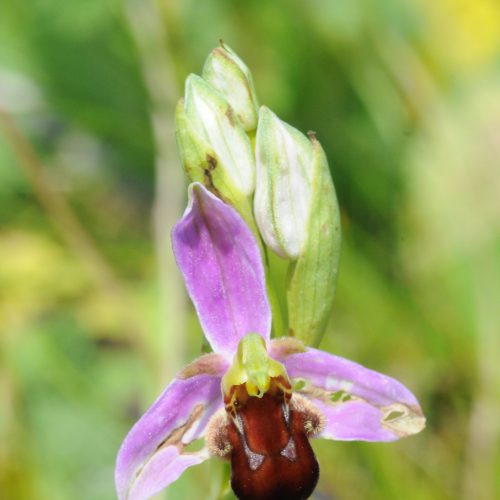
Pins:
x: 256, y: 402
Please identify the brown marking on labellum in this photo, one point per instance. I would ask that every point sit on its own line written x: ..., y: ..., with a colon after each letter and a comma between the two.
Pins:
x: 271, y: 458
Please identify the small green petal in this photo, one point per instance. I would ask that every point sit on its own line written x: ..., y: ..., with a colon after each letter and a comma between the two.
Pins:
x: 253, y: 367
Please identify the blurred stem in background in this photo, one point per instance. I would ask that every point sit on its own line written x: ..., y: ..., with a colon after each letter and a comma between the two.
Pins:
x: 150, y: 35
x: 71, y: 230
x: 484, y: 424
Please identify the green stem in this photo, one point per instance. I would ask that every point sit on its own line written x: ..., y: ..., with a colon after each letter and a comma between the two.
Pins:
x: 279, y: 324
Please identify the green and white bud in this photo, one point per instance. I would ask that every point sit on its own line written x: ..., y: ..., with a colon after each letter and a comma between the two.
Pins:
x: 202, y: 164
x: 313, y: 277
x: 206, y: 122
x: 283, y: 194
x: 227, y: 73
x: 296, y: 209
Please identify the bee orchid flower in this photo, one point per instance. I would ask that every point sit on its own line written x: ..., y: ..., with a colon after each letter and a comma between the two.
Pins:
x: 256, y: 402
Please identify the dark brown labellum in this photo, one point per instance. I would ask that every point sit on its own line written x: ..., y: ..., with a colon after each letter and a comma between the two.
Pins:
x: 271, y: 455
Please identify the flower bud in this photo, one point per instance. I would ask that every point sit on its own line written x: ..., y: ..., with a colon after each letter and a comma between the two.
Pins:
x: 297, y: 214
x: 313, y: 277
x: 211, y: 140
x: 282, y: 202
x: 227, y: 73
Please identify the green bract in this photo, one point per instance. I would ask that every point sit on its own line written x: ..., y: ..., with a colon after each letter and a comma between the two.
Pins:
x: 313, y: 276
x: 298, y: 217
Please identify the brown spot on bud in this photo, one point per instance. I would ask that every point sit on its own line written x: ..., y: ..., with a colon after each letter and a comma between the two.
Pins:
x: 230, y: 116
x: 312, y: 135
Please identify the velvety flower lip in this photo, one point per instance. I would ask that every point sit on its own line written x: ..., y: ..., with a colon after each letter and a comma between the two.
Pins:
x: 222, y: 267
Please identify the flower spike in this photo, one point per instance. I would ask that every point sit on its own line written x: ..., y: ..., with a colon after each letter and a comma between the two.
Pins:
x: 256, y: 402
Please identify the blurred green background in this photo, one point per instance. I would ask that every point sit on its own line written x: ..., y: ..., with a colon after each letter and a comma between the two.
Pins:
x: 404, y: 97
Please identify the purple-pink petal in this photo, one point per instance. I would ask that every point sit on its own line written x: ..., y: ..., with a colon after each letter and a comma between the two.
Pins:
x: 179, y: 416
x: 164, y: 468
x: 334, y: 373
x: 353, y: 420
x: 358, y: 403
x: 222, y: 267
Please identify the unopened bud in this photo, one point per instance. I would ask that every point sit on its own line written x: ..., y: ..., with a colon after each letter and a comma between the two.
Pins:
x: 282, y: 203
x: 208, y: 131
x: 313, y: 277
x: 298, y: 216
x: 226, y: 72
